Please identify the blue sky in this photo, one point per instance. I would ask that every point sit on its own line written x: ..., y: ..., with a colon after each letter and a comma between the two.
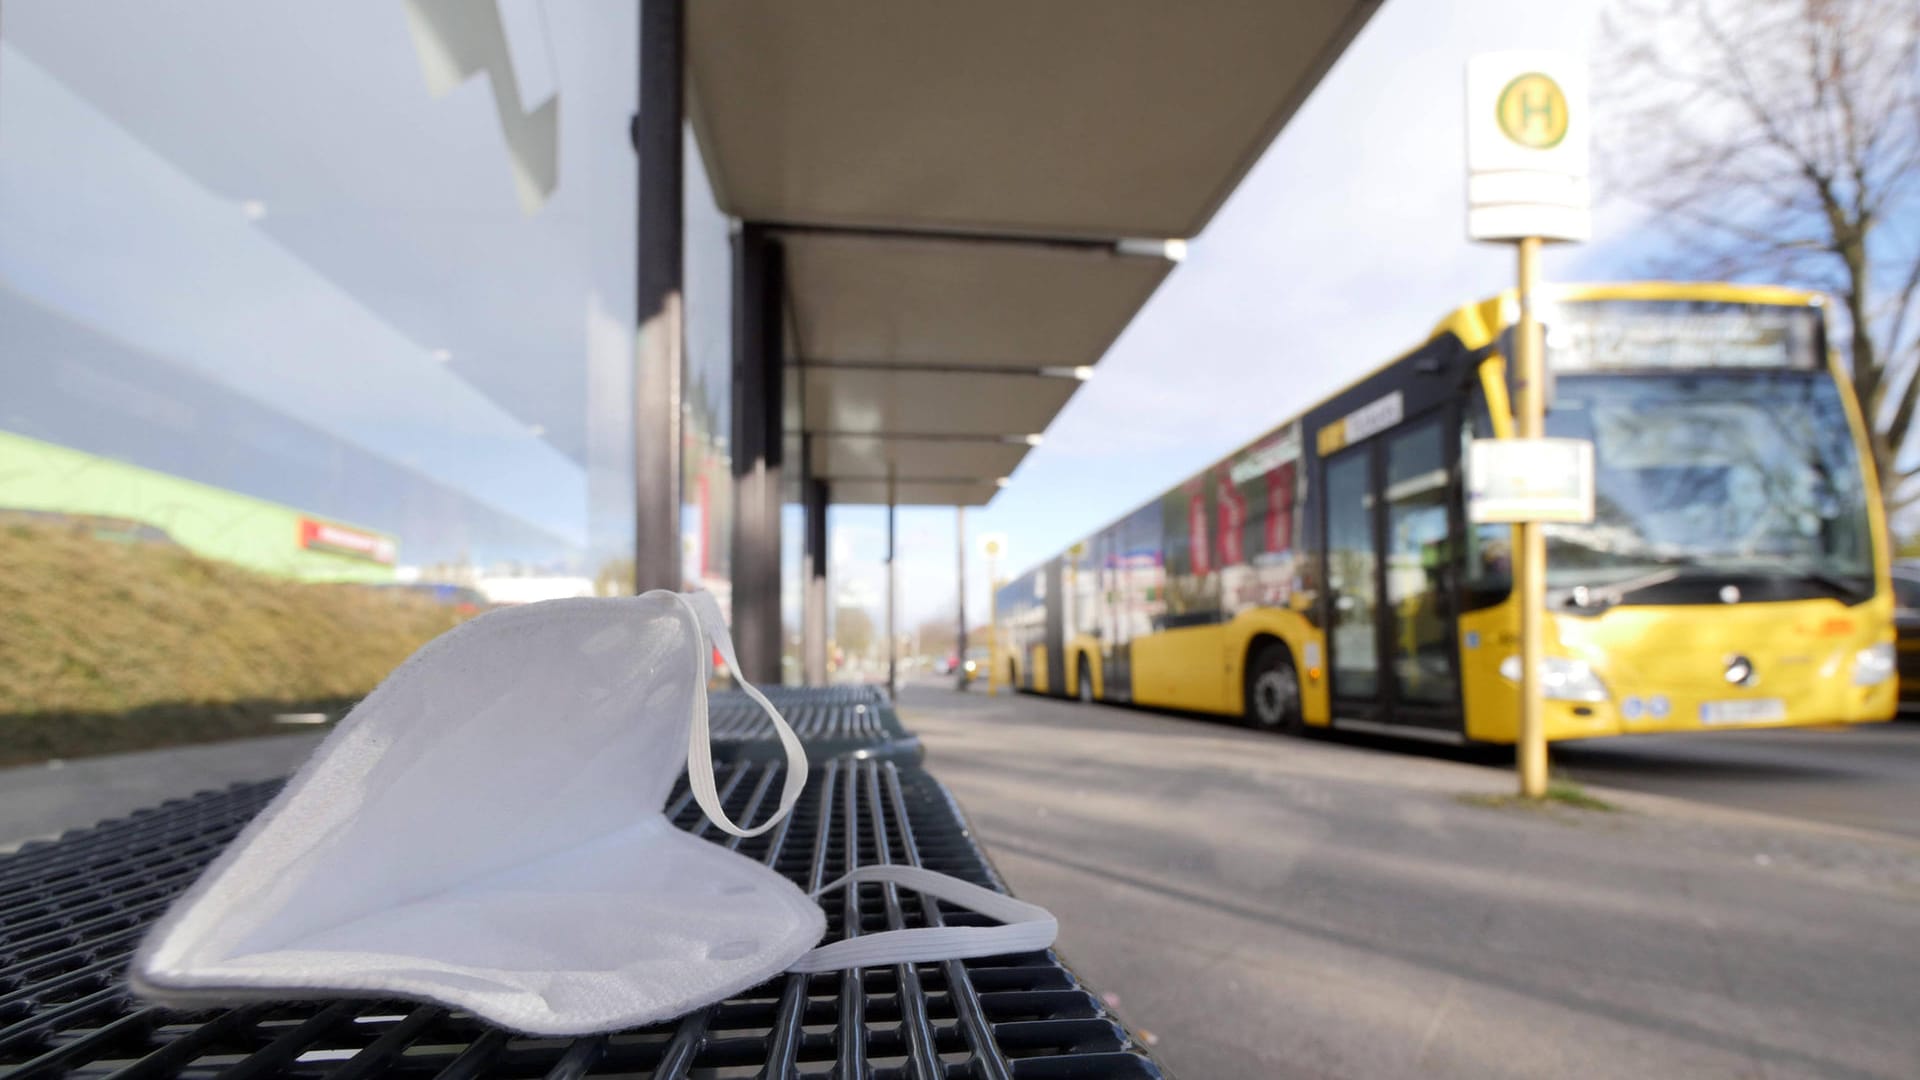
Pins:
x: 1343, y: 247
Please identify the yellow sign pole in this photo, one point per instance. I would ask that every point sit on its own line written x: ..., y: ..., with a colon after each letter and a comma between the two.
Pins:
x: 1531, y: 566
x: 1527, y: 158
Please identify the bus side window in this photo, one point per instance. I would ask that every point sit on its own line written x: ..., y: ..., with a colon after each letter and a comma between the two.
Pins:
x: 1487, y: 575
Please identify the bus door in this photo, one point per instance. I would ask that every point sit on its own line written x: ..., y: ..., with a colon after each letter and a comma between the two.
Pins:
x: 1390, y: 577
x: 1055, y: 628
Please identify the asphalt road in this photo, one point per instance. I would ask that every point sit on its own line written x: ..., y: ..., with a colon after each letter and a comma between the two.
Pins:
x: 1260, y: 906
x: 1863, y: 777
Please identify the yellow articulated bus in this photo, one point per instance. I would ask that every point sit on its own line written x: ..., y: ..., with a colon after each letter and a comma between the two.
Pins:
x: 1735, y: 574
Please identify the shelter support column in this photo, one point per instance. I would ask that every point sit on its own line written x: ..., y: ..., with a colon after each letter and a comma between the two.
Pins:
x: 815, y: 620
x: 658, y: 296
x: 758, y: 387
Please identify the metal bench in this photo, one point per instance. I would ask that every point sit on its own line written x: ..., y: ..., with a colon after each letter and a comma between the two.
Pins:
x: 830, y: 720
x: 72, y: 910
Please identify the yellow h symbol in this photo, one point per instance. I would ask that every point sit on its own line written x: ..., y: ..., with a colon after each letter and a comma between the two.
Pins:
x: 1532, y: 111
x: 1536, y: 104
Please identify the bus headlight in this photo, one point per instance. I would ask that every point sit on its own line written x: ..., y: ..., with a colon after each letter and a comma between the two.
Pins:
x: 1561, y: 679
x: 1873, y: 664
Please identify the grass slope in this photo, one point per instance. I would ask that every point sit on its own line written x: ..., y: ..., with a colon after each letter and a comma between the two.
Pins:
x: 110, y: 645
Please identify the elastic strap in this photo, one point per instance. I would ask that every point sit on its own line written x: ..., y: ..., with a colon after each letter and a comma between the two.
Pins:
x: 710, y: 625
x: 1026, y: 927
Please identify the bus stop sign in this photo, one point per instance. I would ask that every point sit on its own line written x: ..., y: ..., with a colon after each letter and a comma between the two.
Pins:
x: 1527, y: 147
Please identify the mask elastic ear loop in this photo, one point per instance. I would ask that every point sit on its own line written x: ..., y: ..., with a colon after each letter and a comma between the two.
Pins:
x: 1025, y: 927
x: 709, y: 624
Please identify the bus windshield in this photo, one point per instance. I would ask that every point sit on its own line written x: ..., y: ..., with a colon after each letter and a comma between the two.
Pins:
x: 1751, y: 473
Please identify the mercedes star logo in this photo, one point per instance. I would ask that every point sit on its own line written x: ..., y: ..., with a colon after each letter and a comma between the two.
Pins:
x: 1739, y: 671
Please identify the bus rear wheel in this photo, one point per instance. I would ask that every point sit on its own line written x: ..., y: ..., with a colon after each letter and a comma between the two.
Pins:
x: 1273, y: 690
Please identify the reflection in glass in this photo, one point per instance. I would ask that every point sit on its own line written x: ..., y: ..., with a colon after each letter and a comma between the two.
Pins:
x: 1418, y: 564
x: 1487, y: 561
x: 288, y: 358
x: 1351, y: 561
x: 1192, y: 581
x: 1749, y: 473
x: 706, y: 456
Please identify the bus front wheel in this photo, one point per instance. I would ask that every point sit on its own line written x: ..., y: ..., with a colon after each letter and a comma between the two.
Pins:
x: 1273, y: 690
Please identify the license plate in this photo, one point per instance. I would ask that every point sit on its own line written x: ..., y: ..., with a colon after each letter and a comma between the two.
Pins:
x: 1744, y: 711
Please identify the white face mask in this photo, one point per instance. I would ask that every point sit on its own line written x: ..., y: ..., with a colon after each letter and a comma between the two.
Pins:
x: 486, y: 831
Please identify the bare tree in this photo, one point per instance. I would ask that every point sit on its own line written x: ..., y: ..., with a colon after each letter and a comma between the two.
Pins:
x: 853, y: 630
x: 938, y: 636
x: 1780, y: 140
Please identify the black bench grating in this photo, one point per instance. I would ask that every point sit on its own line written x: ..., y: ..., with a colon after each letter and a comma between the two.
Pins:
x: 830, y: 721
x: 72, y: 910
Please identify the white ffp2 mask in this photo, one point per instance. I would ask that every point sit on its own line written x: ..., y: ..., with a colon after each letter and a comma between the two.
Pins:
x: 486, y: 831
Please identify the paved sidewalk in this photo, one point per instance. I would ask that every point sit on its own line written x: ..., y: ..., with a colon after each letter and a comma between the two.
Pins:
x: 1865, y: 777
x: 1271, y: 907
x: 48, y: 799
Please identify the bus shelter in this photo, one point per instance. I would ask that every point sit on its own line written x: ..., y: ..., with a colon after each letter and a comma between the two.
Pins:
x: 945, y: 217
x: 927, y: 222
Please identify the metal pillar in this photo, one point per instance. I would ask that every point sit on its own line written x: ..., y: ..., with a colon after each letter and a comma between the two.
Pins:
x: 893, y: 641
x: 758, y: 386
x: 1532, y: 564
x: 814, y: 617
x: 960, y: 554
x: 656, y: 421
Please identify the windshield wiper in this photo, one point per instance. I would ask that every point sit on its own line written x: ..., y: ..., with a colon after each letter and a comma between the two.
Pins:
x: 1601, y: 596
